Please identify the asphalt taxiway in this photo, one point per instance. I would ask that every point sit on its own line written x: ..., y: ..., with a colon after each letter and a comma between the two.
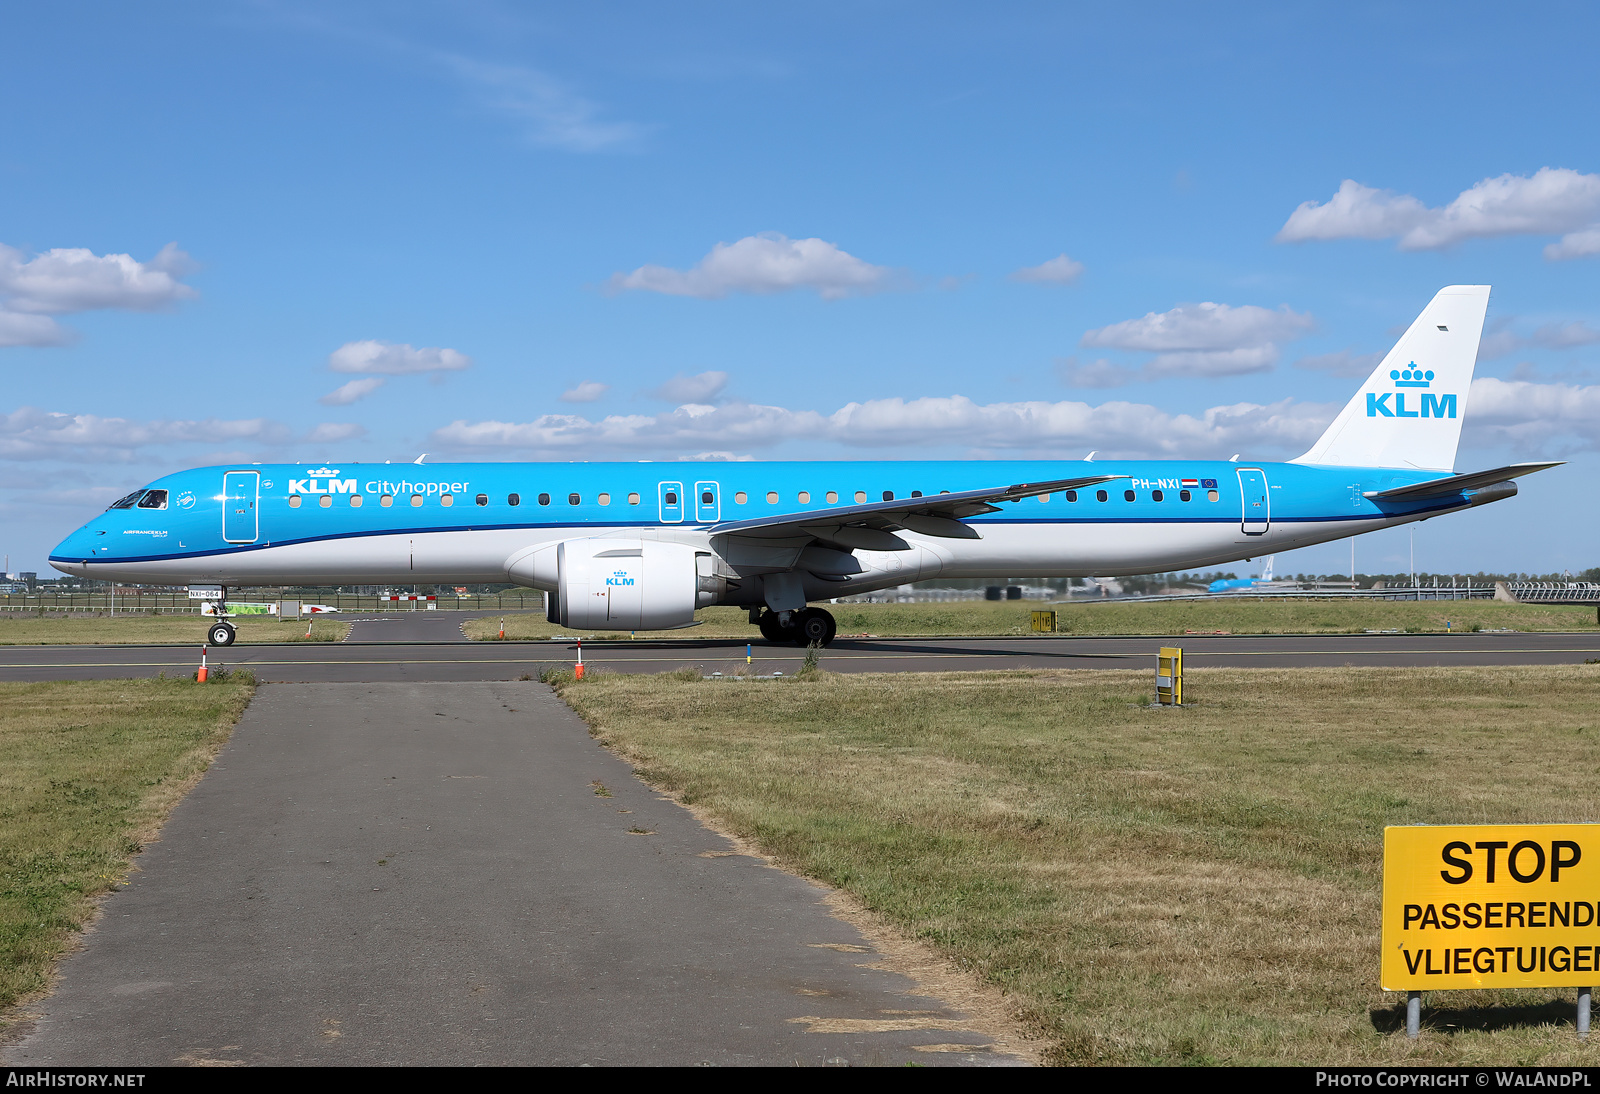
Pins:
x: 378, y: 651
x: 458, y: 874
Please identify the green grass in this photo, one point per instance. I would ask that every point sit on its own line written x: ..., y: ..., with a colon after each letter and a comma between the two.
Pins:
x: 88, y: 771
x: 1145, y: 885
x: 1228, y: 616
x: 137, y: 630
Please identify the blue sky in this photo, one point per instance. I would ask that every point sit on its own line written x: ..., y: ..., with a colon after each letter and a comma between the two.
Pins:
x: 492, y: 231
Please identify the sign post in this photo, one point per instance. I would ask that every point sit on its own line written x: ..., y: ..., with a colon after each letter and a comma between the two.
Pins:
x: 1169, y: 676
x: 1490, y: 906
x: 1044, y: 622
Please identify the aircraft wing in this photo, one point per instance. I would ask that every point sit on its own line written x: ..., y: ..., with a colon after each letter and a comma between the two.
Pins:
x: 871, y: 526
x: 1438, y: 488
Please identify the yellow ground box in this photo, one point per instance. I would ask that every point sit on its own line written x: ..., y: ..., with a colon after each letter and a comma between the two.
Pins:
x: 1491, y: 906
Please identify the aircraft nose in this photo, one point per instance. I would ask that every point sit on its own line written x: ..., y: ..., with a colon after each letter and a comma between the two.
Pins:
x: 72, y: 554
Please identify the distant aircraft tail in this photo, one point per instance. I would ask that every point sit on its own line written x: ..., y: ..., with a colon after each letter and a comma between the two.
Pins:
x: 1266, y: 570
x: 1408, y: 413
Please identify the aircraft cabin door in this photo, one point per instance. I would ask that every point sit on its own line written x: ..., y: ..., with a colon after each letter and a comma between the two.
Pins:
x: 1257, y: 507
x: 241, y: 495
x: 707, y: 502
x: 669, y: 495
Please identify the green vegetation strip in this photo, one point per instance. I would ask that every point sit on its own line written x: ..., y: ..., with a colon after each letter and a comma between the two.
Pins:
x: 138, y: 630
x: 1230, y: 615
x: 1146, y: 885
x: 88, y: 771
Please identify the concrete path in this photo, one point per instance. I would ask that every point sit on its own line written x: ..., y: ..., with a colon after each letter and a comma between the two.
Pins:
x: 432, y: 874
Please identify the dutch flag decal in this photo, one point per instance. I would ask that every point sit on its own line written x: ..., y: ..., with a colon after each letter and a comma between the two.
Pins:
x: 1191, y: 482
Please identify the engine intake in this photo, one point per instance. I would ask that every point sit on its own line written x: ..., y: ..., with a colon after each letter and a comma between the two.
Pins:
x: 626, y: 584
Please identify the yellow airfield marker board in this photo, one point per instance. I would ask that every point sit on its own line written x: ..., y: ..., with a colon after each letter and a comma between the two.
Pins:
x: 1491, y: 906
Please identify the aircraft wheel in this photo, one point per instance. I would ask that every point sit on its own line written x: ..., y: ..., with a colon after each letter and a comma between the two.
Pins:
x: 774, y: 631
x: 815, y: 625
x: 221, y: 634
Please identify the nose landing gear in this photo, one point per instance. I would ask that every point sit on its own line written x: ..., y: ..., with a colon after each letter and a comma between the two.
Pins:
x: 811, y: 625
x: 221, y: 633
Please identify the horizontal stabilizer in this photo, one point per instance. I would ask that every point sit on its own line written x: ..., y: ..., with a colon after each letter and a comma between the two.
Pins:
x: 1438, y: 488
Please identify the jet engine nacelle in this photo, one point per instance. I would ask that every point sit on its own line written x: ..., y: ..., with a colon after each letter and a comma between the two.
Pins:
x: 626, y: 584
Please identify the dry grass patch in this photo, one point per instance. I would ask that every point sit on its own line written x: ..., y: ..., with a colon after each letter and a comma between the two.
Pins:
x: 139, y: 630
x: 88, y: 772
x: 1146, y: 885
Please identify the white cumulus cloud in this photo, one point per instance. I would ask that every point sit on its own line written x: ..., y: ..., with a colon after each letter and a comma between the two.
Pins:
x: 1534, y: 418
x: 392, y: 359
x: 763, y: 264
x: 1204, y: 339
x: 29, y: 433
x: 1116, y: 428
x: 74, y: 279
x: 1060, y: 270
x: 700, y: 388
x: 333, y: 432
x: 345, y: 394
x: 585, y: 392
x: 1344, y: 363
x: 1551, y: 201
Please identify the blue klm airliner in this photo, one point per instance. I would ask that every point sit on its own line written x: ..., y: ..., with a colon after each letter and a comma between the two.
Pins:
x: 641, y: 546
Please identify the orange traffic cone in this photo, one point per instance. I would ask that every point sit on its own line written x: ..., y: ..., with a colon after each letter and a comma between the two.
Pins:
x: 200, y: 677
x: 502, y: 628
x: 308, y: 628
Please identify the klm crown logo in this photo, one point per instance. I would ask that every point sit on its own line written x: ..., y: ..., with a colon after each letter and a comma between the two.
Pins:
x: 1433, y: 406
x: 322, y: 473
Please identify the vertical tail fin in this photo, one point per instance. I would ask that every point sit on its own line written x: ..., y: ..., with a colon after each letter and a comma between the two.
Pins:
x: 1408, y: 413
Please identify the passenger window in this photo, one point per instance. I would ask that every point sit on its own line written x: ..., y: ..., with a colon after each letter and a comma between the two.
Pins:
x: 416, y: 501
x: 388, y: 499
x: 447, y: 499
x: 482, y: 499
x: 633, y: 499
x: 544, y: 499
x: 861, y: 496
x: 355, y: 501
x: 833, y: 497
x: 772, y: 497
x: 1044, y: 498
x: 916, y: 493
x: 325, y: 501
x: 1072, y: 495
x: 1183, y: 495
x: 672, y: 498
x: 511, y: 499
x: 1156, y: 495
x: 1127, y: 495
x: 706, y: 498
x: 1100, y: 495
x: 573, y: 499
x: 888, y: 495
x: 805, y: 497
x: 294, y: 501
x: 604, y: 499
x: 155, y: 499
x: 1211, y: 495
x: 740, y: 497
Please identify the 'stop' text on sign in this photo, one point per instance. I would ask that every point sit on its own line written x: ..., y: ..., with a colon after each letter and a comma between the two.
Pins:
x: 1491, y: 906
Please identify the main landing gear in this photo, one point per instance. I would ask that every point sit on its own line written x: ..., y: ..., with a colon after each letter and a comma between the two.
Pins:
x: 806, y: 627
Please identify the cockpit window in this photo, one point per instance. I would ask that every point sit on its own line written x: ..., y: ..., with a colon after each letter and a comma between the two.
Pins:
x: 127, y: 502
x: 153, y: 499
